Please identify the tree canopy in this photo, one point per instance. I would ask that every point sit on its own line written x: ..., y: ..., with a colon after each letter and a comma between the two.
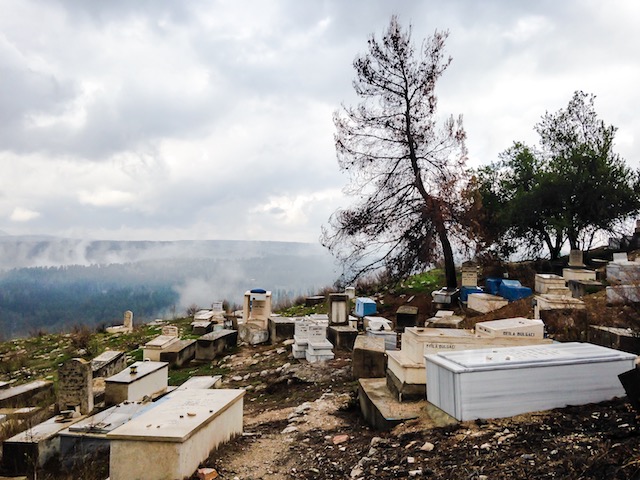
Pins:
x: 405, y: 167
x: 568, y: 189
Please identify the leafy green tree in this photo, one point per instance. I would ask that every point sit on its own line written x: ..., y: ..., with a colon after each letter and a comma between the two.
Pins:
x: 569, y: 189
x: 405, y: 170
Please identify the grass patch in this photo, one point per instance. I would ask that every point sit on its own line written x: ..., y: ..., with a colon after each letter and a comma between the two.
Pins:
x: 424, y: 282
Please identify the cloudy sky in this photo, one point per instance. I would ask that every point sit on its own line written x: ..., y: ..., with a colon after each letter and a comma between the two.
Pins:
x: 166, y: 120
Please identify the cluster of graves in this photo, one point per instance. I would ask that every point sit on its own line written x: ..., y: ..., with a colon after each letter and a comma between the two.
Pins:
x: 146, y: 428
x: 478, y: 373
x: 151, y: 430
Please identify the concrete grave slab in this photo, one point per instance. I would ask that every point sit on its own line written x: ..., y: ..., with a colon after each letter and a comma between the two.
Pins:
x: 179, y: 353
x: 487, y: 383
x: 484, y: 302
x: 368, y: 358
x: 108, y: 363
x: 171, y: 440
x: 33, y: 447
x: 27, y: 394
x: 212, y: 344
x: 134, y: 383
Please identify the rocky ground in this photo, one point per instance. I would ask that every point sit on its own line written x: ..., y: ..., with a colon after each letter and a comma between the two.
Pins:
x: 302, y: 421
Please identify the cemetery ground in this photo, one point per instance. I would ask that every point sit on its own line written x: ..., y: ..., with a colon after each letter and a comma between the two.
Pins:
x: 302, y: 420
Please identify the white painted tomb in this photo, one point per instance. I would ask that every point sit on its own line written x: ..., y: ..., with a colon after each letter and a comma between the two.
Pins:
x: 170, y: 441
x: 578, y: 274
x: 407, y: 364
x: 502, y: 382
x: 300, y: 338
x: 318, y: 349
x: 153, y: 348
x: 134, y: 383
x: 485, y: 302
x: 546, y: 281
x: 511, y: 327
x: 376, y: 323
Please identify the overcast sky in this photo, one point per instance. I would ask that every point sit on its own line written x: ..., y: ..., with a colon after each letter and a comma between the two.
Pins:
x: 166, y: 120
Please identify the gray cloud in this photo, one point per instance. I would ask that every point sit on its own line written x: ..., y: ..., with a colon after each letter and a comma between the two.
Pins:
x: 162, y: 119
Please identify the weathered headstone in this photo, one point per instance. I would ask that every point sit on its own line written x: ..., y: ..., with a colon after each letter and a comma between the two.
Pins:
x: 368, y: 358
x: 128, y: 320
x: 140, y: 380
x: 170, y: 331
x: 469, y: 275
x: 75, y: 386
x: 576, y: 258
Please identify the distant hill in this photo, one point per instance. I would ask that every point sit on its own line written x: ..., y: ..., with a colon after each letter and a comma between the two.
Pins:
x: 52, y: 284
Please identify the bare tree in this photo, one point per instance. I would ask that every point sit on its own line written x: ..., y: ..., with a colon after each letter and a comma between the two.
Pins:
x: 405, y: 169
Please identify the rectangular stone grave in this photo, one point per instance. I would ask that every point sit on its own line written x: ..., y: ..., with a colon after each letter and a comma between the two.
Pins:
x: 89, y: 435
x: 171, y: 440
x: 170, y: 331
x: 300, y: 338
x: 484, y: 302
x: 620, y: 257
x: 406, y: 369
x: 623, y: 272
x: 623, y: 339
x: 281, y: 329
x: 317, y: 333
x: 365, y: 306
x: 390, y: 337
x: 126, y: 327
x: 406, y: 316
x: 511, y: 327
x: 33, y: 447
x: 153, y: 348
x: 27, y: 394
x: 368, y: 358
x: 319, y: 351
x: 212, y: 344
x: 108, y: 363
x: 623, y: 294
x: 342, y: 337
x: 179, y: 353
x: 376, y: 323
x: 201, y: 382
x: 201, y: 327
x: 134, y: 383
x: 578, y: 274
x: 556, y: 302
x: 448, y: 321
x: 488, y: 383
x: 75, y: 386
x: 445, y: 296
x: 546, y: 281
x: 580, y: 288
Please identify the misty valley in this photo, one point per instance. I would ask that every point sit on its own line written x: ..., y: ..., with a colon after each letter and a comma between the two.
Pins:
x: 158, y: 280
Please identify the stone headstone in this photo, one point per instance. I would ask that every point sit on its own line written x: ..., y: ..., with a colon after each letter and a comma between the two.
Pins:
x: 637, y: 226
x: 351, y: 292
x: 75, y: 386
x: 576, y: 258
x: 170, y: 331
x: 128, y: 319
x: 470, y: 275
